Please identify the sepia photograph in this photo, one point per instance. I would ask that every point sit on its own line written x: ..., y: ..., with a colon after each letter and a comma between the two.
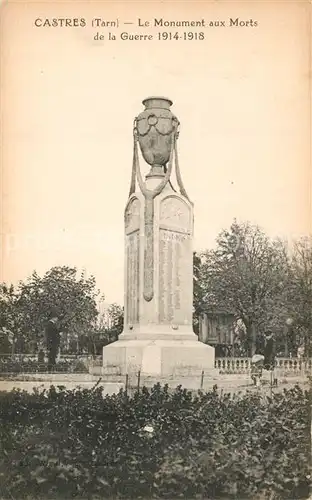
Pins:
x: 156, y: 250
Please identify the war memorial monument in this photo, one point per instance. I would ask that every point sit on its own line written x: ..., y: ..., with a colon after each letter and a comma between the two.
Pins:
x: 158, y: 337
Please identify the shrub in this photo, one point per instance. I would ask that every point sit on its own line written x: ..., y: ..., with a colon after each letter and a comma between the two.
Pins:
x: 157, y: 444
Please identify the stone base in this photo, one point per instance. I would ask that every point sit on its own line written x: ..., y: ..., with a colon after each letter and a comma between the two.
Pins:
x: 158, y: 357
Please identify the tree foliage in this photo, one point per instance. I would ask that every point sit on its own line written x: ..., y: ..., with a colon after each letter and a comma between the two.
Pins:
x: 10, y: 317
x: 197, y: 291
x: 247, y: 274
x: 108, y: 327
x: 116, y: 318
x: 298, y: 291
x: 62, y: 292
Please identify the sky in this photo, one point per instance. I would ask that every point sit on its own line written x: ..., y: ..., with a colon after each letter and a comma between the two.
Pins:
x: 242, y: 96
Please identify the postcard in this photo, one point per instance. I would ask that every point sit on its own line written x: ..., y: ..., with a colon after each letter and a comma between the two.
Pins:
x: 156, y: 222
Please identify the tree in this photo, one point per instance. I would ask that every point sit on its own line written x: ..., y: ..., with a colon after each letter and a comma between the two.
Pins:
x: 60, y: 292
x: 198, y: 291
x: 7, y: 302
x: 245, y: 275
x: 115, y: 316
x: 108, y: 327
x: 10, y: 319
x: 299, y: 293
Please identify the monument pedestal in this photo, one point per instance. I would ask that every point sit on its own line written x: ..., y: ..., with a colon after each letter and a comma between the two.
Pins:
x: 158, y: 337
x: 158, y: 357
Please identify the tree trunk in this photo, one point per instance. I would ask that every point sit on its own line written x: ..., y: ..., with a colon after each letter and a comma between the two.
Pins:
x: 13, y: 347
x: 252, y: 337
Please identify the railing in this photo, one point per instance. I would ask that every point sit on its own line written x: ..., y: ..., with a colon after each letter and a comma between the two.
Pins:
x: 31, y: 356
x: 282, y: 365
x: 25, y: 363
x: 25, y: 357
x: 28, y: 363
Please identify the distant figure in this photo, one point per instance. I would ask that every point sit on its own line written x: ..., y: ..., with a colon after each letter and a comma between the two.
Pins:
x: 300, y: 352
x: 269, y: 351
x: 256, y: 368
x: 53, y: 341
x: 41, y: 357
x: 269, y: 356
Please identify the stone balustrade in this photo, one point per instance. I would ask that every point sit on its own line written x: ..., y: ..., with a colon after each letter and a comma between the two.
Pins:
x: 284, y: 366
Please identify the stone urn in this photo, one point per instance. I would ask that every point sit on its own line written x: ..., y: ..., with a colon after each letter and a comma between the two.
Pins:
x: 156, y: 127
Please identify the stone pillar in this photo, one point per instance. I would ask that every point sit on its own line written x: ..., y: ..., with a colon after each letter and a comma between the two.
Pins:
x: 158, y: 337
x: 169, y: 312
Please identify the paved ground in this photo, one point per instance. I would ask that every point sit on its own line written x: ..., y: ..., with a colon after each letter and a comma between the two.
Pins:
x: 112, y: 384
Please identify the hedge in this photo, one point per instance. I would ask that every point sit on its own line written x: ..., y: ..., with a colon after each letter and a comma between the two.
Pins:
x: 61, y: 444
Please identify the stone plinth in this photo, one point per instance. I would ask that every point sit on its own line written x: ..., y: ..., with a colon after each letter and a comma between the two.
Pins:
x: 158, y: 357
x: 158, y: 337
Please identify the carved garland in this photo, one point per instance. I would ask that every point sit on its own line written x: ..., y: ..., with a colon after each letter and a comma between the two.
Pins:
x: 149, y: 196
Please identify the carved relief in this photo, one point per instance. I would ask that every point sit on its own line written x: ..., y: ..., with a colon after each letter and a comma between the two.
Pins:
x: 132, y: 216
x: 133, y: 262
x: 175, y: 213
x: 174, y: 296
x: 148, y: 292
